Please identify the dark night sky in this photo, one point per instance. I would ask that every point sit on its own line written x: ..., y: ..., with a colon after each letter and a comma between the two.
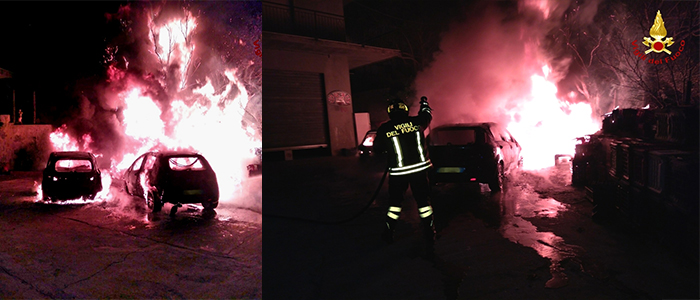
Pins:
x: 54, y: 40
x: 50, y: 45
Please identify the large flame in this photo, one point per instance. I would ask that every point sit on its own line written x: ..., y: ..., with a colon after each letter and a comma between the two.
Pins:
x: 180, y: 113
x: 173, y: 43
x: 546, y: 126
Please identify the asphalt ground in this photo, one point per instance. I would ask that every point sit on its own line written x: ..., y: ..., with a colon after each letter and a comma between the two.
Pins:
x: 117, y: 249
x: 535, y: 240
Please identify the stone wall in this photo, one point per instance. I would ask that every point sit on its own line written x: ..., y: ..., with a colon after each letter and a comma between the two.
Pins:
x: 24, y: 147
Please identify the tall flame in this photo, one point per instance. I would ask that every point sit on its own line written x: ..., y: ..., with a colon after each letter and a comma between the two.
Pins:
x: 169, y: 108
x: 658, y: 30
x: 546, y: 126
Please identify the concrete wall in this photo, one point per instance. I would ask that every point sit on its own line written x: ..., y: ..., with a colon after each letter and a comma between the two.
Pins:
x: 336, y: 74
x: 341, y: 118
x: 24, y: 147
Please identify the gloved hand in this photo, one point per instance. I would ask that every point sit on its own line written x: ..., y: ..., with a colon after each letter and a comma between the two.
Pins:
x: 424, y: 104
x: 424, y: 101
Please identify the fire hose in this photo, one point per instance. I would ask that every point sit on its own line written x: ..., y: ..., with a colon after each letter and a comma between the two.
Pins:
x: 423, y: 101
x: 369, y: 203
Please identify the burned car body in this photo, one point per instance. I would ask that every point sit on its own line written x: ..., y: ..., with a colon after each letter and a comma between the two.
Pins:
x: 71, y: 175
x: 172, y: 177
x: 366, y: 147
x: 473, y: 152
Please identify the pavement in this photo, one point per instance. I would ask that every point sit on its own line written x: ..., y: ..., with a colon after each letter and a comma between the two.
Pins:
x: 117, y: 249
x: 322, y: 241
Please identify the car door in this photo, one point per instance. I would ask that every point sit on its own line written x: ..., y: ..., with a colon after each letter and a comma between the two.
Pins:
x: 132, y: 176
x: 500, y: 140
x: 508, y: 149
x: 516, y: 150
x: 149, y: 166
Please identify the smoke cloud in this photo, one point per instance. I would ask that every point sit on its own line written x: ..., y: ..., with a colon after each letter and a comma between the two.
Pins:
x: 503, y: 64
x: 485, y: 63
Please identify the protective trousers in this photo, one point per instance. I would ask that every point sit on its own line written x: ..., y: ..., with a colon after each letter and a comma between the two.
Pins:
x: 421, y: 192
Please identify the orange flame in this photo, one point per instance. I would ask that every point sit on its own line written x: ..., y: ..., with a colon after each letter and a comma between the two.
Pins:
x: 206, y: 119
x: 546, y: 126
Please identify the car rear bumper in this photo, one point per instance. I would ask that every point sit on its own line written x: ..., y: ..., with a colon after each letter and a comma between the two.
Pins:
x: 461, y: 174
x: 189, y: 196
x: 69, y: 190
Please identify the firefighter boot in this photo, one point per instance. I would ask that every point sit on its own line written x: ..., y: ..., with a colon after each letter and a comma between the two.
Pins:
x: 388, y: 234
x: 429, y: 234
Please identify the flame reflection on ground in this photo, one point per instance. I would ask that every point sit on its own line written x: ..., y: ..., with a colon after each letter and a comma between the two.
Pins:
x: 520, y: 202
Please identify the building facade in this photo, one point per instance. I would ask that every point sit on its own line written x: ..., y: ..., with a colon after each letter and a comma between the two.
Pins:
x: 307, y: 101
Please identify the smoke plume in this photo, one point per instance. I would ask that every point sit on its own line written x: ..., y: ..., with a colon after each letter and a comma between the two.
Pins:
x: 484, y: 66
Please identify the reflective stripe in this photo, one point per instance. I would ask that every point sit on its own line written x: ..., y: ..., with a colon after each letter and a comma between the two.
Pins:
x: 395, y: 208
x: 420, y: 148
x: 397, y: 147
x: 392, y: 215
x: 425, y: 212
x: 420, y: 168
x: 416, y: 165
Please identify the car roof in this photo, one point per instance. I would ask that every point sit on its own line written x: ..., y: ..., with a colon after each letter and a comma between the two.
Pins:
x: 465, y: 125
x: 171, y: 153
x: 72, y: 154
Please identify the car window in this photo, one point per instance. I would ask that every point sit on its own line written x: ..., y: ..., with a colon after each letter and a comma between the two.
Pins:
x: 369, y: 139
x: 499, y: 134
x: 506, y: 136
x: 185, y: 163
x: 510, y: 137
x: 150, y: 161
x: 137, y: 164
x: 456, y: 136
x: 73, y: 165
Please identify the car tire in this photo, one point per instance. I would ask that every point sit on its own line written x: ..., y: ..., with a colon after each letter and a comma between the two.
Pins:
x: 154, y: 202
x: 497, y: 183
x: 210, y: 205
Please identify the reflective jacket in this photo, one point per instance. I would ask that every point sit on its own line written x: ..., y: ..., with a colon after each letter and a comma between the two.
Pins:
x: 404, y: 143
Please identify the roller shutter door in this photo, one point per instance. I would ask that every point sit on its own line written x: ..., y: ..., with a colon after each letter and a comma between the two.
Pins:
x: 294, y: 110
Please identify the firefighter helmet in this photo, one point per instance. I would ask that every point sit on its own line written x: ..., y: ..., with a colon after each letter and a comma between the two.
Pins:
x: 397, y: 108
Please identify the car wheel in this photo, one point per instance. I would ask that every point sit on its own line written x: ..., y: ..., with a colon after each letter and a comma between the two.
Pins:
x: 210, y: 205
x: 497, y: 183
x: 154, y: 202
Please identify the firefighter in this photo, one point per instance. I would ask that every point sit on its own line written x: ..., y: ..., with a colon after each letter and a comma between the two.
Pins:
x: 402, y: 140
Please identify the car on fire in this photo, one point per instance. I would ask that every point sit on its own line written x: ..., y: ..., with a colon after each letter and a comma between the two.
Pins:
x: 177, y: 177
x: 473, y: 152
x: 71, y: 175
x: 366, y: 148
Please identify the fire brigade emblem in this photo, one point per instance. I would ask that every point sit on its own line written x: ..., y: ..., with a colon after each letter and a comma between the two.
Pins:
x: 658, y: 32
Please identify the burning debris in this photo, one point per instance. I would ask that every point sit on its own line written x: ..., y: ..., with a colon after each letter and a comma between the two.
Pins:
x: 180, y: 77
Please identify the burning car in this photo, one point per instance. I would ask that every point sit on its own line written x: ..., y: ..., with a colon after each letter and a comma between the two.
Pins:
x: 71, y: 175
x: 366, y: 148
x: 473, y: 152
x: 176, y: 177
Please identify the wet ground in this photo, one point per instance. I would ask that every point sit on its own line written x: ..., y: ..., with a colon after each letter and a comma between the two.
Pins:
x: 534, y: 240
x: 116, y: 249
